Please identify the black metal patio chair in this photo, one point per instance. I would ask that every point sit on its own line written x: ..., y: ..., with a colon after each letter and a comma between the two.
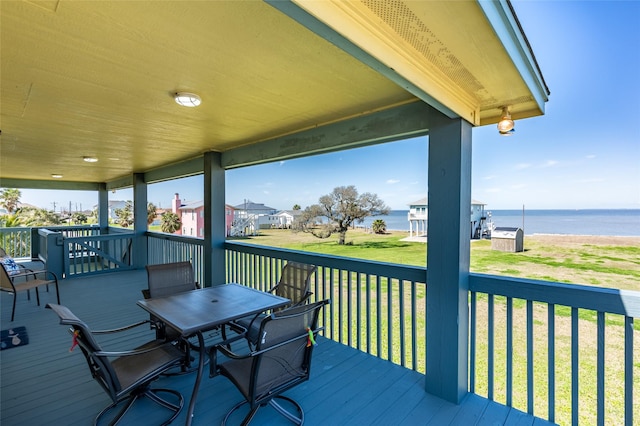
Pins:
x: 167, y: 279
x: 24, y: 280
x: 294, y: 284
x: 280, y: 361
x: 125, y: 376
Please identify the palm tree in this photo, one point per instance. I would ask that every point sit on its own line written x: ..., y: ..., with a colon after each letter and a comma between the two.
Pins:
x: 125, y: 215
x: 9, y: 199
x: 379, y: 226
x: 170, y: 222
x: 152, y: 212
x: 10, y: 221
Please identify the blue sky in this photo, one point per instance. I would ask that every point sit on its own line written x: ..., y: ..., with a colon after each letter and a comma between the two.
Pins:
x: 583, y: 153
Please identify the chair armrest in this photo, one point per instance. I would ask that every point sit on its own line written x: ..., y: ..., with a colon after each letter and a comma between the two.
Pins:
x: 116, y: 330
x: 28, y: 273
x: 146, y: 294
x: 213, y: 357
x: 133, y: 352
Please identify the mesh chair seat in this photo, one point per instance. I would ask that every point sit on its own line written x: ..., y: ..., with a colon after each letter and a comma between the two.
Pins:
x: 294, y: 284
x: 281, y: 361
x: 167, y: 279
x: 26, y: 280
x: 128, y: 376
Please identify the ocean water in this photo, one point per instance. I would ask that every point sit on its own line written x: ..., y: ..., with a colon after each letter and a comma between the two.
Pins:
x: 623, y: 222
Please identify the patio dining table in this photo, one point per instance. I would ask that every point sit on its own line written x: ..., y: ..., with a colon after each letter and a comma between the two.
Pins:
x: 195, y: 312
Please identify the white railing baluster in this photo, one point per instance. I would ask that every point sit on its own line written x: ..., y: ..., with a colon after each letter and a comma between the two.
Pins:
x: 551, y: 364
x: 575, y: 368
x: 530, y: 379
x: 600, y: 369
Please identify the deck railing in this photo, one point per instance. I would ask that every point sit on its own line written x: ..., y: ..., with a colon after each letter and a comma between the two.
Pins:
x: 169, y: 248
x: 94, y: 254
x: 16, y: 241
x: 376, y: 307
x: 564, y: 352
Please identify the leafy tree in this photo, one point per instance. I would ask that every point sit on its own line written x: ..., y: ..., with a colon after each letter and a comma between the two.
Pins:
x: 379, y: 226
x: 343, y: 207
x: 30, y: 216
x: 170, y: 222
x: 152, y: 212
x: 79, y: 217
x: 9, y: 199
x: 124, y: 216
x: 296, y: 207
x: 10, y: 221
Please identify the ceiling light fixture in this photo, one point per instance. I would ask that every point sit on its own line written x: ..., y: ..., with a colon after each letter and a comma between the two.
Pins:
x: 90, y: 159
x: 56, y: 176
x: 506, y: 124
x: 187, y: 99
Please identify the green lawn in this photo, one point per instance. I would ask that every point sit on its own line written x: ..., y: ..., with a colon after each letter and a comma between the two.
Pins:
x: 605, y: 265
x: 597, y: 262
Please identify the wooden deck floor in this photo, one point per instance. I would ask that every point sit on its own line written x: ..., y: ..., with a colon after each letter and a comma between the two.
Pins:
x: 43, y: 384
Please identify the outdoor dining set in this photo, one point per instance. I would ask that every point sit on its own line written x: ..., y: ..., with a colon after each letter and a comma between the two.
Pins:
x: 263, y: 344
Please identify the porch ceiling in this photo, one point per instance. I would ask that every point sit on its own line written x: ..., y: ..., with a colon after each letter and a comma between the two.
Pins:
x: 97, y: 78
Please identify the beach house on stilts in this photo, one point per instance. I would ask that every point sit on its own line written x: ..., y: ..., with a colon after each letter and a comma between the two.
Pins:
x: 418, y: 218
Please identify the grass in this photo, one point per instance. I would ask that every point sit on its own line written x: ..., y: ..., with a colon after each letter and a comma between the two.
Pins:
x: 604, y: 265
x: 570, y: 260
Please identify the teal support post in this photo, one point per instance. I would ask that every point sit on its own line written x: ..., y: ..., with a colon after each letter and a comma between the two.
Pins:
x: 139, y: 249
x: 449, y: 201
x: 54, y: 253
x: 214, y: 219
x: 103, y: 209
x: 35, y: 243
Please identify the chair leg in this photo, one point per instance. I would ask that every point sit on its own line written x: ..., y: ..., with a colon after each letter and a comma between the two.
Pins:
x: 128, y: 404
x: 280, y: 409
x: 141, y: 393
x: 247, y: 418
x: 37, y: 296
x: 13, y: 311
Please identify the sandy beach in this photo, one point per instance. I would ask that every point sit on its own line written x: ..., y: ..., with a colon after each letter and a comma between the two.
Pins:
x: 561, y: 239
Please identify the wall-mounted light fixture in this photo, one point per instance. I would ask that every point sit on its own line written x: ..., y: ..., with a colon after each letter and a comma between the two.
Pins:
x: 187, y: 99
x: 506, y: 125
x: 56, y: 176
x: 90, y: 159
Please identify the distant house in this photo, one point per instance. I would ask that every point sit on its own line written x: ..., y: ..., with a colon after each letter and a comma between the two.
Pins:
x: 284, y: 219
x: 249, y: 208
x: 250, y: 216
x: 192, y: 217
x: 419, y: 214
x: 113, y: 206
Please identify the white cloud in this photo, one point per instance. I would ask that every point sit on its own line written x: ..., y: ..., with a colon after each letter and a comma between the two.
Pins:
x: 589, y: 180
x: 518, y: 186
x: 392, y: 181
x: 282, y: 162
x: 493, y: 190
x: 522, y: 166
x: 490, y: 177
x: 550, y: 163
x: 590, y: 156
